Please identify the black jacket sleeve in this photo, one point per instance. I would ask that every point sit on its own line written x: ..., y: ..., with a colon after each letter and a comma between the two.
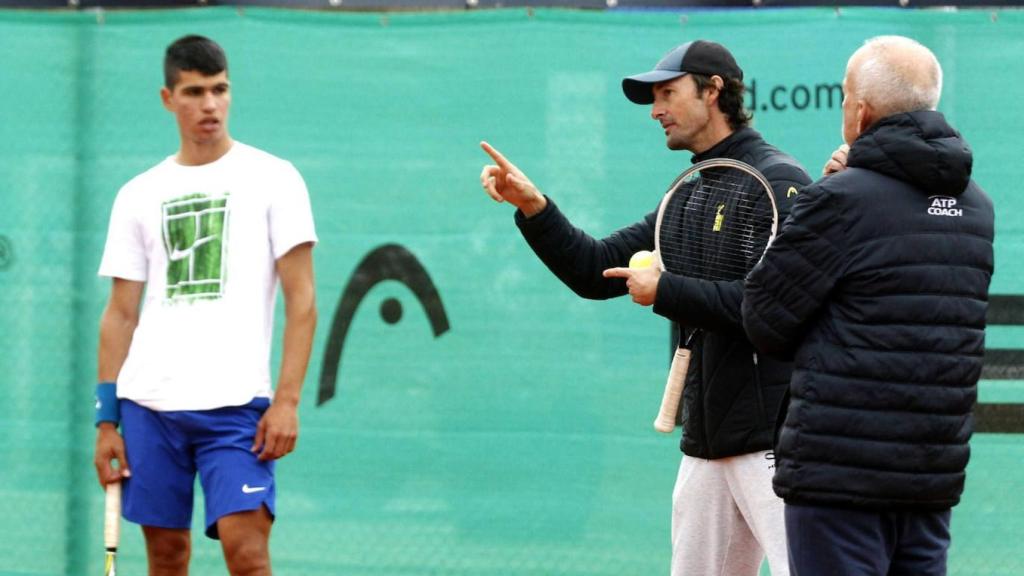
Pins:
x: 578, y: 259
x: 793, y: 280
x: 702, y: 304
x: 715, y: 306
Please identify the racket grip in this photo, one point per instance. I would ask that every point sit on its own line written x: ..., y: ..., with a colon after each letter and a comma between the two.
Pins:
x: 666, y: 420
x: 112, y: 516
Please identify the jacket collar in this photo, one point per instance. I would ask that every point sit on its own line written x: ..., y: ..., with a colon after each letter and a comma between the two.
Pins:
x: 732, y: 146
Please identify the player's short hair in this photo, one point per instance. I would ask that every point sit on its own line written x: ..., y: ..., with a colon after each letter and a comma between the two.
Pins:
x: 730, y: 99
x: 896, y: 74
x: 193, y: 53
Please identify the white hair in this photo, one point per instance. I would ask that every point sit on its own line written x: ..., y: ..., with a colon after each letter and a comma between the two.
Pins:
x: 896, y: 74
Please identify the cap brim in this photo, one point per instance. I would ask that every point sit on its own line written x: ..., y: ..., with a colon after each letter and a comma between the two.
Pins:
x: 638, y: 88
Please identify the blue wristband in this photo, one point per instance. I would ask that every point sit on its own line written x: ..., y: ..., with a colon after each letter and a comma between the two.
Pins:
x: 108, y: 409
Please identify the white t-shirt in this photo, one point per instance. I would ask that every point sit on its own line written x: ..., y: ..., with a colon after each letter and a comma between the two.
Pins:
x: 205, y: 239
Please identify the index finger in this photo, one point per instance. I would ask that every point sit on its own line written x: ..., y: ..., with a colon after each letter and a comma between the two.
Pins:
x: 499, y: 159
x: 618, y: 273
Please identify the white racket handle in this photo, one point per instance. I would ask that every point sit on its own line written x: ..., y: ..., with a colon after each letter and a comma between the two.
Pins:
x: 666, y: 420
x: 112, y: 516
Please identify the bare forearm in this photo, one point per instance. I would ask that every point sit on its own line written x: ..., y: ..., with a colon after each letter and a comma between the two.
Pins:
x: 296, y: 271
x: 300, y: 325
x: 116, y: 330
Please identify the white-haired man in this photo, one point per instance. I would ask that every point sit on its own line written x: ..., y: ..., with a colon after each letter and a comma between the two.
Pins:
x: 877, y: 287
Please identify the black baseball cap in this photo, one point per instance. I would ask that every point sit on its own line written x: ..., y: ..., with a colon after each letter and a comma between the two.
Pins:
x: 699, y: 57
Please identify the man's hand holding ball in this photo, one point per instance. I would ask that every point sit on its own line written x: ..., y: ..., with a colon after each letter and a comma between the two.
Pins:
x: 641, y: 277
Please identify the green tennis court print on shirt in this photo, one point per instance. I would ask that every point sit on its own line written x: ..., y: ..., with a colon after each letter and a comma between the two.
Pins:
x: 195, y: 232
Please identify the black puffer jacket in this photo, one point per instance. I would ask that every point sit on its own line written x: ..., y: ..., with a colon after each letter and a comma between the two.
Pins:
x: 729, y: 407
x: 878, y: 283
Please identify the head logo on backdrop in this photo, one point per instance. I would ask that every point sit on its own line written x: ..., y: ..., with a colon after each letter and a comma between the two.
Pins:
x: 387, y: 262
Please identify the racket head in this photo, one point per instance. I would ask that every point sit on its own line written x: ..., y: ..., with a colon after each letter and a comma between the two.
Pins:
x: 716, y: 221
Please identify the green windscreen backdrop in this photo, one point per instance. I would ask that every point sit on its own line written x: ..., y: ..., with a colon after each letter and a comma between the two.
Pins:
x: 464, y: 412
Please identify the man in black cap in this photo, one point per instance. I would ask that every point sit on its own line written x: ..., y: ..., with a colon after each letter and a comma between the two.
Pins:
x: 725, y: 516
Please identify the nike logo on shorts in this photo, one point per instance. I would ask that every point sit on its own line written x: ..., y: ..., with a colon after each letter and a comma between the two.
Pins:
x: 251, y: 489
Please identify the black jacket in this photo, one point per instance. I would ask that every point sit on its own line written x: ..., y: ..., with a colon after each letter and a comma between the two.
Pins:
x: 729, y: 407
x: 878, y: 283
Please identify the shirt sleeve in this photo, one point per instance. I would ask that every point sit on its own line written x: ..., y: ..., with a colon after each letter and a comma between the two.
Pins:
x: 577, y: 258
x: 124, y: 255
x: 794, y: 279
x: 291, y: 215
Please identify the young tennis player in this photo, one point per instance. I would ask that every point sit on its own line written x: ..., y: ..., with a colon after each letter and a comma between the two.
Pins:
x: 199, y: 242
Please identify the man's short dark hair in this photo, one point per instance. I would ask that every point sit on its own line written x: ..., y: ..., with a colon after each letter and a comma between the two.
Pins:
x: 730, y: 99
x: 195, y: 54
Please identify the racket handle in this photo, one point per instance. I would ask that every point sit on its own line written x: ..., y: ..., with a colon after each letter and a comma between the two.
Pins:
x: 666, y: 420
x: 112, y: 516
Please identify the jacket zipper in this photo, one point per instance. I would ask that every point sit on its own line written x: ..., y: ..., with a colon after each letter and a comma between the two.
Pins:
x: 759, y: 393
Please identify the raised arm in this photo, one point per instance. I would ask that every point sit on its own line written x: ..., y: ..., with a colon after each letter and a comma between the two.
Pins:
x: 503, y: 181
x: 575, y: 257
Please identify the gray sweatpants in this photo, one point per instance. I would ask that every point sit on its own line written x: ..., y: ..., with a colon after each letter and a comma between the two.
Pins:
x: 726, y: 518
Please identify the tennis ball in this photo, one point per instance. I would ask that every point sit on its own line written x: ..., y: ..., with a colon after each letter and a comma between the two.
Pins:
x: 642, y: 259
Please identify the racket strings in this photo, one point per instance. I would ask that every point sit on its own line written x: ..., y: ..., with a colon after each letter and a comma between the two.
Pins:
x: 716, y: 225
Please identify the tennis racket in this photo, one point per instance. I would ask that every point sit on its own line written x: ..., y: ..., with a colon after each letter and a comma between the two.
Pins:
x: 112, y: 527
x: 714, y: 223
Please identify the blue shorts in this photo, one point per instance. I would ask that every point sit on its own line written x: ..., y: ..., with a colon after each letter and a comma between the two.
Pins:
x: 166, y: 449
